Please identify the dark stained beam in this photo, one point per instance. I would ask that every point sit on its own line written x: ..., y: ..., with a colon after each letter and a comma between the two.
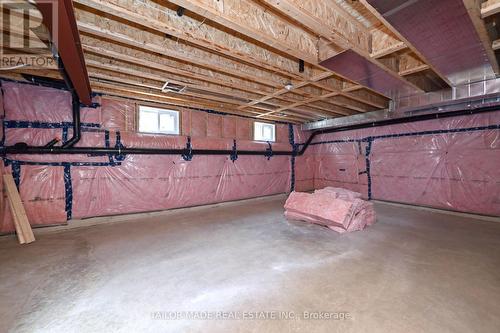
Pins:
x: 59, y: 18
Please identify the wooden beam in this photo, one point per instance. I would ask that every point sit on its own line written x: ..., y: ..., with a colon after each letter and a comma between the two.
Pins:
x: 490, y: 7
x: 355, y: 87
x: 177, y: 65
x: 197, y: 57
x: 319, y: 21
x: 178, y: 100
x: 166, y: 67
x: 496, y: 44
x: 48, y: 73
x: 211, y: 81
x: 326, y: 19
x: 347, y: 103
x: 145, y: 73
x: 284, y: 90
x: 389, y: 50
x: 222, y: 14
x: 127, y: 96
x: 200, y: 63
x: 321, y: 113
x: 120, y: 72
x: 320, y: 110
x: 355, y: 103
x: 358, y: 91
x: 344, y: 92
x: 155, y: 90
x: 257, y: 22
x: 330, y: 105
x: 373, y: 11
x: 474, y: 9
x: 158, y: 68
x: 130, y: 97
x: 118, y: 33
x: 414, y: 70
x: 146, y: 14
x: 155, y: 84
x: 310, y: 100
x: 67, y: 41
x: 332, y: 101
x: 139, y: 39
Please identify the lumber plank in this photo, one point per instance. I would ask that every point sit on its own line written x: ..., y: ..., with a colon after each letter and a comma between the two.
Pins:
x: 190, y: 30
x: 489, y: 8
x: 22, y: 225
x: 496, y: 44
x: 475, y: 11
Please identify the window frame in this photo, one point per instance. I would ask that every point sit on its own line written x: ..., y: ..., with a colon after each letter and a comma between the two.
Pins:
x: 159, y: 111
x: 267, y: 124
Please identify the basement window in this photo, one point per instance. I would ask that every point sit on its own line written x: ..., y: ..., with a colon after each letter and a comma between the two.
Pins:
x: 264, y: 132
x: 158, y: 121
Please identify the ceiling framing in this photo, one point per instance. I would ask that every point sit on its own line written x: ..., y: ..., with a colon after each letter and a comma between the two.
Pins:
x: 237, y: 56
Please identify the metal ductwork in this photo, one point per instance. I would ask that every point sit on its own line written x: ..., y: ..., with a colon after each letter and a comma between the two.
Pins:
x: 467, y: 98
x: 361, y: 70
x: 443, y: 32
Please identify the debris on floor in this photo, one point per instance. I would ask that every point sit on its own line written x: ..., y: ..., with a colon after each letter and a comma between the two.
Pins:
x: 339, y: 209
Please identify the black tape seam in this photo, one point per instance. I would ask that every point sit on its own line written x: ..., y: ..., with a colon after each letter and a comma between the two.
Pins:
x: 68, y: 190
x: 368, y: 162
x: 371, y: 139
x: 291, y: 139
x: 387, y: 136
x: 68, y: 186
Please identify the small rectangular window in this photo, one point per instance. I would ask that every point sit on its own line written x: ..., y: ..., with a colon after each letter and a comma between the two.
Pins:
x: 264, y: 132
x: 156, y: 120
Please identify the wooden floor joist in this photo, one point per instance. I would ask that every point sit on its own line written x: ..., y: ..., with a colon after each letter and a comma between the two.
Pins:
x: 244, y: 55
x: 496, y: 44
x: 490, y: 7
x: 189, y: 47
x: 21, y: 223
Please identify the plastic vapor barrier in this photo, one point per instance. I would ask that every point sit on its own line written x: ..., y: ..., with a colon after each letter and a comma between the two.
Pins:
x: 451, y: 163
x: 305, y: 164
x: 55, y: 188
x: 3, y: 202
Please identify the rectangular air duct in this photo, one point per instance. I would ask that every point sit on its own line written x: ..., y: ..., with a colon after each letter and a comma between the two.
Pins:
x: 361, y: 70
x: 443, y: 33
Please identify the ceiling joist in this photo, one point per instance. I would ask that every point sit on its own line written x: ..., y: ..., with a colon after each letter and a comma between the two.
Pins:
x: 259, y: 58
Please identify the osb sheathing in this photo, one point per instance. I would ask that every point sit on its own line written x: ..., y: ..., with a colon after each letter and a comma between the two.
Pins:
x: 337, y: 20
x: 107, y: 28
x: 260, y: 19
x: 170, y: 64
x: 200, y: 32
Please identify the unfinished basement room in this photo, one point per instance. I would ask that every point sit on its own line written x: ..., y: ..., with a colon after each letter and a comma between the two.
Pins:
x: 250, y: 166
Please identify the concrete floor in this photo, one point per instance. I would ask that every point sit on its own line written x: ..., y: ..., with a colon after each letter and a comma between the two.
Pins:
x: 413, y: 271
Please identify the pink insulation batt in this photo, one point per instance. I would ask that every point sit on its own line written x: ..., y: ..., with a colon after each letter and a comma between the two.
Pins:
x: 339, y: 209
x: 140, y: 183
